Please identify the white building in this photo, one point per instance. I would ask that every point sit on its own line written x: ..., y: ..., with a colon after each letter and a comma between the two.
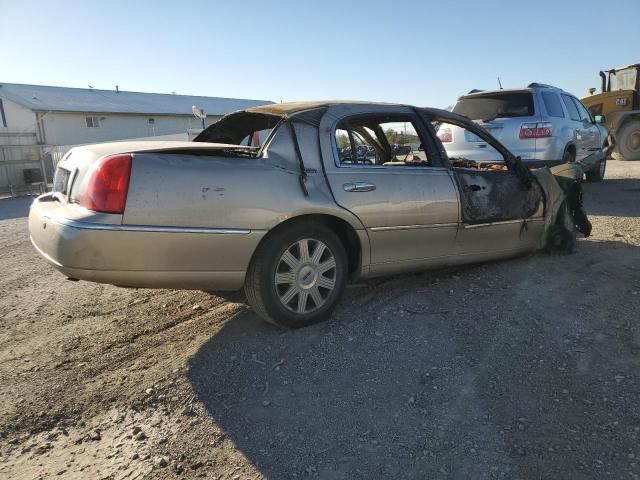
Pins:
x: 70, y: 116
x: 33, y: 118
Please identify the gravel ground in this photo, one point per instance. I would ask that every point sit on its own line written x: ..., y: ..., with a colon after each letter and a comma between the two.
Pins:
x: 525, y: 369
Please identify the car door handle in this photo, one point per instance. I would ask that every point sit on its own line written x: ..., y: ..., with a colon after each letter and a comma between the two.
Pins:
x: 358, y: 187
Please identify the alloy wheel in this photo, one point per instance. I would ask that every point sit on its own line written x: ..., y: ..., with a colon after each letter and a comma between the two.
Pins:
x: 305, y: 276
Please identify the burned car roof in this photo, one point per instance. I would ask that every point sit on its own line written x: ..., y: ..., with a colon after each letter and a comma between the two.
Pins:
x: 289, y: 108
x: 267, y: 116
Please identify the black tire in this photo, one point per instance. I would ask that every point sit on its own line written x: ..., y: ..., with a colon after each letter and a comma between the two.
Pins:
x: 568, y: 157
x: 597, y: 174
x: 264, y: 294
x: 628, y: 141
x: 561, y: 237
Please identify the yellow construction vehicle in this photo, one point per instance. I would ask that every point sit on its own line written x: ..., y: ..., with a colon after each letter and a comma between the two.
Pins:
x: 619, y: 105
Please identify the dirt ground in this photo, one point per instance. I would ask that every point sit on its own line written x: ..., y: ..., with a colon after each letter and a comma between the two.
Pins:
x: 522, y: 369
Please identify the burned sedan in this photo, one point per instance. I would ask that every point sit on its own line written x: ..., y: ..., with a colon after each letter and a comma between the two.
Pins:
x: 267, y: 200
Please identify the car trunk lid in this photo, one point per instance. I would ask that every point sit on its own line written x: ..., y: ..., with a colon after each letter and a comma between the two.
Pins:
x: 71, y: 171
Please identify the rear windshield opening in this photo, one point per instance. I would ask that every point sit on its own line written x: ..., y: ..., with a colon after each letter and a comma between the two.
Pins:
x: 242, y: 128
x: 490, y: 106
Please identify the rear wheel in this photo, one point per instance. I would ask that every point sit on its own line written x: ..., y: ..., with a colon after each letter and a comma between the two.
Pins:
x: 628, y: 141
x: 568, y: 157
x: 297, y: 275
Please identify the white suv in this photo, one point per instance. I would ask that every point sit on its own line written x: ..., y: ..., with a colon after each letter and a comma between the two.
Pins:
x: 541, y: 124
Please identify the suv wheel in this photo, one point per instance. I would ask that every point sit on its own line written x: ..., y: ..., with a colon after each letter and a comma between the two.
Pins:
x: 297, y: 275
x: 568, y: 157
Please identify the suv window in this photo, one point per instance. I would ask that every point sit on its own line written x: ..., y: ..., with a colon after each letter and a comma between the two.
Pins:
x: 494, y: 105
x: 584, y: 113
x: 571, y: 107
x: 380, y: 140
x: 552, y: 104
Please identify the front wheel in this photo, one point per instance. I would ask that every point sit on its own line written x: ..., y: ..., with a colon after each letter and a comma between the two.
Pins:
x: 597, y: 174
x: 561, y: 237
x: 297, y: 275
x: 628, y: 141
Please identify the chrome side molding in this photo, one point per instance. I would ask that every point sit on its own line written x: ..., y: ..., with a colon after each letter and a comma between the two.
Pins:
x: 503, y: 222
x: 413, y: 227
x: 144, y: 228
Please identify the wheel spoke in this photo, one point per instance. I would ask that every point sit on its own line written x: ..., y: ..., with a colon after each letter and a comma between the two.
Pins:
x: 289, y: 294
x: 317, y: 253
x: 303, y: 245
x: 315, y: 295
x: 302, y: 301
x: 285, y: 277
x: 326, y: 282
x: 290, y: 260
x: 327, y: 265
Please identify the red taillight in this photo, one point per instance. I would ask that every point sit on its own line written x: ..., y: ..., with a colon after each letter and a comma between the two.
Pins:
x: 536, y: 130
x: 445, y: 135
x: 107, y: 184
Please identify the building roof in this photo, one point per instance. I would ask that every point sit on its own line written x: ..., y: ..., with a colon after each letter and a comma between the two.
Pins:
x: 63, y: 99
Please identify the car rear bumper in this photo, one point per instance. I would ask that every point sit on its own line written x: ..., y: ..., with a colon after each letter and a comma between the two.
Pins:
x: 139, y: 255
x: 549, y: 149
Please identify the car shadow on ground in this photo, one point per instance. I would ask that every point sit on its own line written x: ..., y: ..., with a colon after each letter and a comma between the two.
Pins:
x: 613, y: 197
x: 440, y: 375
x: 11, y: 208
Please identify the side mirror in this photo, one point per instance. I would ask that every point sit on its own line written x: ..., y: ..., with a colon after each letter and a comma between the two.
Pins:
x: 420, y: 148
x: 599, y: 119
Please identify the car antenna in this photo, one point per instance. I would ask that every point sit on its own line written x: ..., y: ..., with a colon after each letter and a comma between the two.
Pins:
x: 500, y: 83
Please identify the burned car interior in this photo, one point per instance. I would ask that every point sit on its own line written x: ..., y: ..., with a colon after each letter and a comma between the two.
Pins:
x: 369, y: 140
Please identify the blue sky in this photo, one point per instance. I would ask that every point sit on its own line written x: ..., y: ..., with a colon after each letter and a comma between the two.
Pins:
x: 420, y: 52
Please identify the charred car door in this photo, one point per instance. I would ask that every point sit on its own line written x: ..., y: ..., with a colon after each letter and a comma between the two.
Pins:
x: 382, y: 167
x: 501, y: 204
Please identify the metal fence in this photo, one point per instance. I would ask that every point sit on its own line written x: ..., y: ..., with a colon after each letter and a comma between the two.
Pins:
x: 25, y: 169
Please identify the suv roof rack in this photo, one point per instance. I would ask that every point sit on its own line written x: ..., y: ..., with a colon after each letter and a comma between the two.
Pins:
x: 540, y: 85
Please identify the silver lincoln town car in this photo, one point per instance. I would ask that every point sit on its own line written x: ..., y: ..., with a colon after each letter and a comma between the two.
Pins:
x: 292, y: 201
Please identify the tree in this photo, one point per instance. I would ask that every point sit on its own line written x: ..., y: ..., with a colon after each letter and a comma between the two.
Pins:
x: 342, y: 140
